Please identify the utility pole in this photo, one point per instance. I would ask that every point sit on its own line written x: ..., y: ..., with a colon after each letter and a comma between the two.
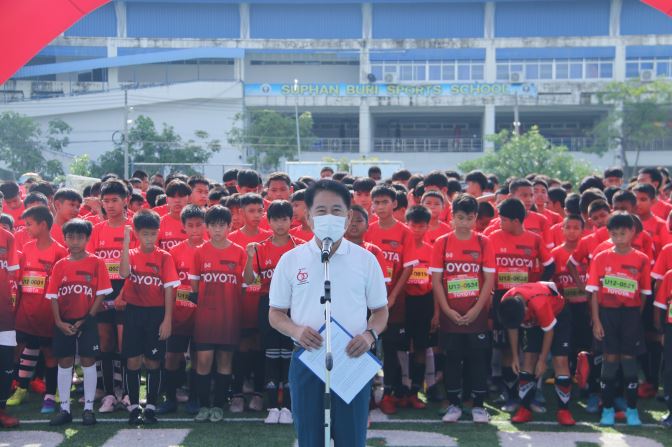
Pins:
x: 125, y: 134
x: 296, y: 117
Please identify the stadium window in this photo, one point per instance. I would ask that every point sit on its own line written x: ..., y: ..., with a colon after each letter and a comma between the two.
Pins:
x: 663, y: 69
x: 532, y: 71
x: 606, y: 70
x: 448, y: 72
x: 576, y: 70
x: 463, y: 72
x: 377, y: 71
x: 546, y: 70
x: 502, y: 72
x: 434, y: 72
x: 632, y: 70
x: 592, y: 70
x: 406, y: 72
x: 419, y: 74
x: 477, y: 72
x: 561, y: 70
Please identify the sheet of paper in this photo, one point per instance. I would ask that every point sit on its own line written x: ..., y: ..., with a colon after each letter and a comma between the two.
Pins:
x: 348, y: 375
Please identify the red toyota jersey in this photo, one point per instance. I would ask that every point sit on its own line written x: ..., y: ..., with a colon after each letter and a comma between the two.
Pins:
x: 620, y: 279
x: 219, y: 273
x: 557, y: 234
x: 21, y: 238
x: 520, y: 259
x: 76, y: 284
x: 264, y: 262
x: 397, y: 245
x: 57, y: 234
x: 664, y: 296
x: 565, y: 282
x: 657, y: 229
x: 661, y: 209
x: 663, y: 263
x: 543, y: 304
x: 552, y: 217
x: 587, y: 245
x: 447, y: 214
x: 299, y: 233
x: 106, y: 243
x: 171, y: 232
x: 184, y: 311
x: 641, y: 242
x: 95, y: 219
x: 242, y: 239
x: 9, y: 263
x: 151, y: 273
x: 534, y: 222
x: 420, y: 281
x: 33, y: 313
x: 378, y: 253
x: 462, y: 263
x: 433, y: 234
x: 161, y: 210
x: 16, y: 215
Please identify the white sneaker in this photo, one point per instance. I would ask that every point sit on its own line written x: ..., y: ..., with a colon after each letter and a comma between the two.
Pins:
x: 480, y: 415
x: 124, y: 403
x: 182, y: 395
x: 109, y: 404
x: 453, y: 414
x: 273, y: 416
x: 286, y: 416
x: 256, y: 403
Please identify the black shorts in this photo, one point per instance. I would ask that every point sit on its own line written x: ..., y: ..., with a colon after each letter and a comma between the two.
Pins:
x: 647, y: 315
x: 623, y: 331
x: 582, y: 328
x: 270, y: 338
x: 178, y: 344
x: 109, y: 316
x: 463, y: 342
x: 395, y: 337
x: 141, y: 332
x: 500, y: 338
x: 33, y: 341
x: 85, y: 343
x: 213, y: 347
x: 533, y: 338
x: 419, y: 313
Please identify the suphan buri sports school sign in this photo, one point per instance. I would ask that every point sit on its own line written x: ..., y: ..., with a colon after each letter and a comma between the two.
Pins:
x: 392, y: 90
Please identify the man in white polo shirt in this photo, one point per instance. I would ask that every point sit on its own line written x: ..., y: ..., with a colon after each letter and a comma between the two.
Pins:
x: 357, y: 285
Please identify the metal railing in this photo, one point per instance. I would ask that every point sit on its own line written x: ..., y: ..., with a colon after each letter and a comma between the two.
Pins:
x: 318, y: 144
x: 427, y: 144
x: 573, y: 144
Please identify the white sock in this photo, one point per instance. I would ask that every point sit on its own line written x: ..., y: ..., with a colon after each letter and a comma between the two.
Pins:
x: 430, y: 369
x: 64, y: 384
x: 405, y: 372
x: 90, y: 381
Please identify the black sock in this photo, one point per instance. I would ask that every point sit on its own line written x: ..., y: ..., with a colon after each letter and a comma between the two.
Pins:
x: 631, y: 397
x: 594, y: 377
x: 479, y: 398
x: 527, y: 387
x: 170, y: 385
x: 222, y: 386
x: 133, y: 385
x: 153, y: 385
x: 417, y: 375
x: 258, y: 365
x: 510, y: 382
x: 107, y: 368
x: 193, y: 385
x: 608, y: 393
x: 203, y: 385
x: 286, y: 395
x: 238, y: 372
x: 51, y: 379
x: 6, y: 373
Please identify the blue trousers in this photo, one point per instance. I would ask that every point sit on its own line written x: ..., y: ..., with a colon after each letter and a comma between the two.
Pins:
x: 348, y: 422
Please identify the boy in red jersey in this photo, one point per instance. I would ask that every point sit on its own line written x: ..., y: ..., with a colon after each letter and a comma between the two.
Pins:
x: 521, y: 257
x: 66, y: 203
x: 654, y: 177
x: 438, y: 182
x: 655, y: 226
x: 200, y: 188
x: 171, y: 232
x: 463, y: 277
x: 619, y: 279
x: 434, y: 202
x: 217, y: 275
x: 12, y: 204
x: 540, y: 311
x: 9, y: 264
x: 663, y: 321
x: 193, y: 222
x: 261, y: 261
x: 302, y: 230
x: 34, y: 319
x: 359, y: 225
x: 77, y: 286
x: 232, y: 202
x: 361, y: 189
x: 540, y: 191
x: 21, y: 236
x: 598, y: 212
x: 149, y: 293
x: 396, y: 241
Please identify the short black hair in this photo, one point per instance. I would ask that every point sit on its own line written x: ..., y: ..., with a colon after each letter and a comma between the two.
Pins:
x: 178, y: 188
x: 9, y: 189
x: 279, y: 209
x: 140, y: 174
x: 39, y: 214
x: 8, y: 220
x: 251, y: 198
x: 279, y: 177
x: 134, y: 180
x: 115, y: 187
x: 454, y: 186
x: 363, y: 184
x: 230, y: 202
x: 557, y: 194
x: 485, y: 209
x: 77, y: 226
x: 415, y: 180
x: 197, y: 180
x: 218, y: 214
x: 374, y: 170
x: 402, y: 200
x: 654, y: 173
x: 597, y: 205
x: 465, y: 203
x: 453, y: 174
x: 191, y: 212
x: 572, y: 203
x: 108, y: 176
x: 306, y: 180
x: 418, y: 214
x: 338, y: 176
x: 216, y: 194
x: 230, y: 174
x: 153, y: 192
x: 43, y: 187
x: 609, y: 192
x: 248, y: 178
x: 516, y: 184
x: 67, y: 194
x: 539, y: 180
x: 137, y: 198
x: 146, y: 220
x: 360, y: 209
x: 435, y: 194
x: 512, y: 312
x: 384, y: 191
x: 625, y: 196
x: 177, y: 176
x: 588, y: 196
x: 576, y: 217
x: 35, y: 197
x: 592, y: 181
x: 477, y: 177
x: 513, y: 209
x: 619, y: 220
x: 436, y: 178
x: 613, y: 172
x: 298, y: 196
x: 161, y: 200
x: 401, y: 175
x: 327, y: 168
x: 645, y: 188
x: 328, y: 185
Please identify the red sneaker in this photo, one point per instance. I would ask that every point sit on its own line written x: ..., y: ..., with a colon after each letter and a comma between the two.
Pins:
x: 15, y: 385
x: 37, y: 386
x: 565, y: 418
x: 388, y: 405
x: 620, y: 416
x: 582, y: 369
x: 646, y: 391
x: 7, y: 421
x: 415, y: 403
x: 403, y: 402
x: 522, y: 415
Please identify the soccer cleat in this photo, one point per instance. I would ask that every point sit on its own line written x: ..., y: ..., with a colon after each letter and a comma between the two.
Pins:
x: 61, y: 418
x: 108, y: 404
x: 37, y: 386
x: 402, y: 402
x: 436, y: 393
x: 522, y: 416
x: 88, y: 417
x: 582, y: 370
x: 538, y: 407
x: 192, y: 407
x: 593, y: 404
x: 256, y: 403
x: 632, y: 417
x: 415, y: 403
x: 237, y: 404
x: 273, y: 416
x: 182, y: 396
x: 564, y: 417
x: 135, y: 417
x: 216, y: 414
x: 666, y: 422
x: 480, y: 415
x: 608, y: 417
x: 203, y: 415
x: 286, y: 417
x: 646, y: 391
x: 453, y: 414
x: 19, y: 396
x: 48, y: 406
x: 510, y: 406
x: 7, y: 421
x: 388, y: 405
x: 149, y: 417
x: 167, y: 407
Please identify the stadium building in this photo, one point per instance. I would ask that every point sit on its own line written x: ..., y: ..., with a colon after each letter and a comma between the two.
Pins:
x: 419, y: 82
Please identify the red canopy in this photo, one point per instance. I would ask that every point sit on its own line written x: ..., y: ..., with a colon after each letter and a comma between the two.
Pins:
x: 661, y: 5
x: 27, y: 26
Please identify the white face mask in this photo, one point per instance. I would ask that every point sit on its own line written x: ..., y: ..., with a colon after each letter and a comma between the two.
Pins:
x: 329, y: 226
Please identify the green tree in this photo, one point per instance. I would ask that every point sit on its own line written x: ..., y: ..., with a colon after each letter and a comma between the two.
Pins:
x: 518, y: 156
x: 58, y: 134
x: 638, y: 119
x: 81, y: 165
x: 271, y: 135
x: 149, y: 145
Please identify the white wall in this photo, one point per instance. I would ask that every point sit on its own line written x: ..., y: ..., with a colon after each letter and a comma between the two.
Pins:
x: 304, y: 73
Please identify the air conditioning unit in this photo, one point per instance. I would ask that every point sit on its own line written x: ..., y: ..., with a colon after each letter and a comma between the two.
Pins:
x: 516, y: 77
x: 391, y: 78
x: 647, y: 75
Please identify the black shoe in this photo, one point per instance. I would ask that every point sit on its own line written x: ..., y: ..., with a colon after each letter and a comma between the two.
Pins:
x: 667, y: 422
x: 149, y: 417
x: 61, y: 418
x: 135, y: 418
x: 88, y: 418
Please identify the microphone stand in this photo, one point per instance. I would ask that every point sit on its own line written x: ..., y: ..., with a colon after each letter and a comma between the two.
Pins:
x: 328, y: 358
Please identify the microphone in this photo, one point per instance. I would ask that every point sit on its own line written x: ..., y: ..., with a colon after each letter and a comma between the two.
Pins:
x: 326, y: 248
